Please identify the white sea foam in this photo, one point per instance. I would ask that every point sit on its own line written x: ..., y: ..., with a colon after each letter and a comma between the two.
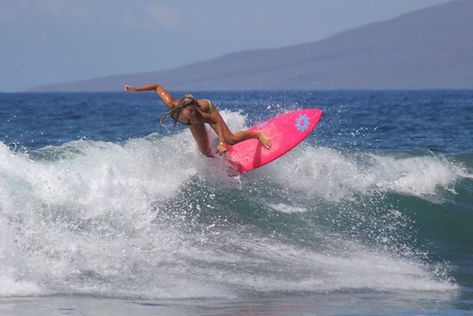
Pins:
x: 91, y: 217
x: 334, y: 176
x: 11, y: 287
x: 347, y: 266
x: 285, y: 208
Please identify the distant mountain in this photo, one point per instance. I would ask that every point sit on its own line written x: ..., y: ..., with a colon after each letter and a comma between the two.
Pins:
x: 425, y: 49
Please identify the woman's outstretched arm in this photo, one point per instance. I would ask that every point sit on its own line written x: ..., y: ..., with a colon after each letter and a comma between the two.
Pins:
x: 167, y: 98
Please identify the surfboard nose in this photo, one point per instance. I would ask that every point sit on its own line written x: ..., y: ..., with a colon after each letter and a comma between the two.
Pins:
x: 285, y: 131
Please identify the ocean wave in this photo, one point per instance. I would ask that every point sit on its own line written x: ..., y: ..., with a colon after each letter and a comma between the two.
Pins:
x: 334, y: 175
x: 129, y: 219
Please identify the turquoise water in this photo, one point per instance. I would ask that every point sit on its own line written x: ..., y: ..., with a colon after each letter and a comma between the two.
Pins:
x: 104, y: 211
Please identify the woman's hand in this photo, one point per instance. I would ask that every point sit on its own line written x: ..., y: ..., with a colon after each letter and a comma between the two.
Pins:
x: 129, y: 88
x: 221, y: 148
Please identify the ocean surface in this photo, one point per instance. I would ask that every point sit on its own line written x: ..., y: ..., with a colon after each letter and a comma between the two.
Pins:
x: 105, y: 212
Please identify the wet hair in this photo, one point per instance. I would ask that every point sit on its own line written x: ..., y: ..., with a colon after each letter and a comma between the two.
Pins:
x: 186, y: 101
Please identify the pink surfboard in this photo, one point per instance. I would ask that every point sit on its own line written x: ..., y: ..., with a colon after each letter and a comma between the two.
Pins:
x: 286, y: 131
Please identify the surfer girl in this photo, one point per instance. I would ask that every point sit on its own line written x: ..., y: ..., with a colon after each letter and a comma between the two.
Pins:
x: 195, y: 113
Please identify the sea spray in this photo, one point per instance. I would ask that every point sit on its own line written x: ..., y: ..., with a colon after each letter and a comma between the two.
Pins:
x: 334, y: 175
x: 134, y: 219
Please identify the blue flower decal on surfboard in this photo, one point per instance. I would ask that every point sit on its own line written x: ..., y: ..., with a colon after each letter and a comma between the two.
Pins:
x: 302, y: 122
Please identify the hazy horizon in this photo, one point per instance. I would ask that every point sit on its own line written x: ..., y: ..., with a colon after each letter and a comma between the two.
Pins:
x: 55, y: 41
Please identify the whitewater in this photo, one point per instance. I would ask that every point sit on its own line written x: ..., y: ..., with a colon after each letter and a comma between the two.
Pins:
x: 147, y: 218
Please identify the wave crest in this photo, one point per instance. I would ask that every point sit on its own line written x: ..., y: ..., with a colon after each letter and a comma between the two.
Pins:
x: 335, y: 176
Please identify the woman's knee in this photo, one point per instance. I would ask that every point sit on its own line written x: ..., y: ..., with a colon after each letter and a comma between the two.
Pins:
x: 231, y: 140
x: 205, y: 148
x: 207, y: 153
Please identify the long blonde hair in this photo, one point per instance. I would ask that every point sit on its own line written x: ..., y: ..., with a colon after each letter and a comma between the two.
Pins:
x: 185, y: 101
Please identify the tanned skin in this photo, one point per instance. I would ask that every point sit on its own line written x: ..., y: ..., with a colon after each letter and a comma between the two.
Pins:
x: 198, y: 117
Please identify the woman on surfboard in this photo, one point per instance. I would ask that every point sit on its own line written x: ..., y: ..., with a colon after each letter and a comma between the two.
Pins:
x: 195, y: 113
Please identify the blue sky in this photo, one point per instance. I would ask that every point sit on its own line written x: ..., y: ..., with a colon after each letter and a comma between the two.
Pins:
x: 47, y: 41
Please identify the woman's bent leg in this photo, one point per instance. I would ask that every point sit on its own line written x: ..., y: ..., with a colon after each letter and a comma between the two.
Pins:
x: 244, y: 135
x: 202, y: 138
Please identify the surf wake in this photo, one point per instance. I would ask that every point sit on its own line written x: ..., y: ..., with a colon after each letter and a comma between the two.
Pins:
x: 150, y: 217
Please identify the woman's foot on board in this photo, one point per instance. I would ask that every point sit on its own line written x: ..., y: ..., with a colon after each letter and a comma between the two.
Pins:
x: 264, y: 140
